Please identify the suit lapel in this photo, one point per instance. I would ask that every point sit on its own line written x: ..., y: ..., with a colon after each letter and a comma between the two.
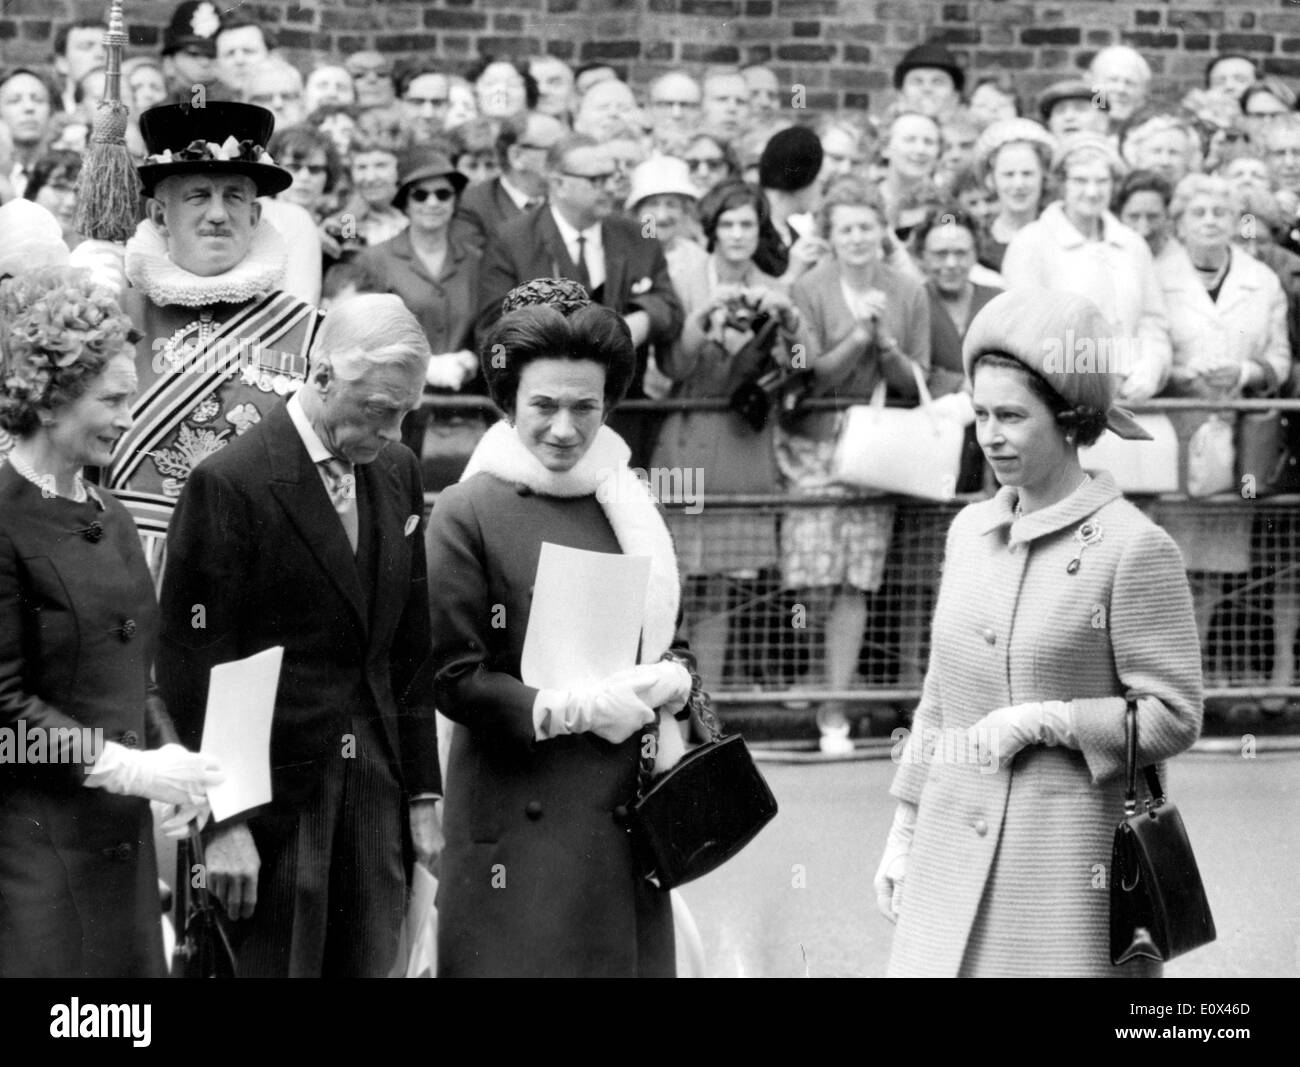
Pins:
x: 553, y: 244
x: 296, y: 484
x: 616, y: 264
x: 388, y: 528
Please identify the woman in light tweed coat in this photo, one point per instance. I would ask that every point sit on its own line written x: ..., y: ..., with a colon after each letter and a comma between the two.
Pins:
x: 1057, y: 598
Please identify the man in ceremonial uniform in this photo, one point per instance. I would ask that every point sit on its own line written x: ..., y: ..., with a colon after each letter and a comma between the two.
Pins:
x: 221, y: 342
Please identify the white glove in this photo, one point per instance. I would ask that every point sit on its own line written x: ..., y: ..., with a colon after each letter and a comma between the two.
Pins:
x: 174, y: 819
x: 1004, y: 732
x: 170, y: 774
x: 610, y: 709
x: 888, y: 882
x: 451, y: 370
x: 665, y: 685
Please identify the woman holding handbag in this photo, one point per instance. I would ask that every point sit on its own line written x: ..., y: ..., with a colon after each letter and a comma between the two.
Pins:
x: 865, y: 322
x: 725, y: 298
x: 538, y: 875
x: 1058, y: 598
x: 1227, y: 321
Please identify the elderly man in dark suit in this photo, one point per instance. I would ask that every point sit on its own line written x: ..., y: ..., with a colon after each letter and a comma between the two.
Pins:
x: 307, y: 532
x: 577, y: 235
x: 521, y: 147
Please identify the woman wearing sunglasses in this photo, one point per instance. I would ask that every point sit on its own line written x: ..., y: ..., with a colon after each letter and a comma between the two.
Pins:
x: 435, y: 274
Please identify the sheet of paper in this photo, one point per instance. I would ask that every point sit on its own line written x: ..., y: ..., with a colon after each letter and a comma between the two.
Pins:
x: 585, y: 622
x: 237, y: 730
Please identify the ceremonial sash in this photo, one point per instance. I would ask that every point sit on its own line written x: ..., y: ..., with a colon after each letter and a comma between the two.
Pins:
x: 160, y: 409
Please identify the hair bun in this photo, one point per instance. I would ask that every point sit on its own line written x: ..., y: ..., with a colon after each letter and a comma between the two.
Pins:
x: 563, y: 294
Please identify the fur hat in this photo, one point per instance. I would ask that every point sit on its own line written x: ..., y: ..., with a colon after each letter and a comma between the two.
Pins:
x: 1065, y: 340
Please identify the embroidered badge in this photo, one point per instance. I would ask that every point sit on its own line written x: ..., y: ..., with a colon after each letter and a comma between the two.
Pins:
x: 1087, y: 534
x: 193, y: 445
x: 206, y: 411
x: 243, y: 418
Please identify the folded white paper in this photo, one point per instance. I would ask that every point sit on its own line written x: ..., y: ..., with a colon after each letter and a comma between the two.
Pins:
x: 237, y: 730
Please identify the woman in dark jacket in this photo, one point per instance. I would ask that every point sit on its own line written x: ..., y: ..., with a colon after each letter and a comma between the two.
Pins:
x: 538, y: 874
x: 435, y: 272
x: 80, y: 721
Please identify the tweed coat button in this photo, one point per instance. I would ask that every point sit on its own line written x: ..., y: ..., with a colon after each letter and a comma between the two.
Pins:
x: 127, y: 630
x: 990, y: 635
x: 533, y: 809
x: 130, y: 739
x: 981, y: 827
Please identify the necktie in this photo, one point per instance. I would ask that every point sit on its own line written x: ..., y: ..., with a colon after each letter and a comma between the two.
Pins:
x: 341, y: 483
x: 581, y: 264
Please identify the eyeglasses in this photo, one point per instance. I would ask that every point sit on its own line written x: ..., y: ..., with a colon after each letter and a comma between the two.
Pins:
x: 596, y: 181
x: 686, y: 105
x: 707, y: 164
x: 431, y: 101
x: 441, y: 195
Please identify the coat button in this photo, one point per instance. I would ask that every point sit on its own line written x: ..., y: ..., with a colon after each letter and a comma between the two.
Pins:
x: 94, y: 532
x: 523, y: 490
x: 991, y: 636
x: 981, y: 827
x: 533, y: 809
x: 127, y: 629
x: 130, y: 739
x: 119, y: 852
x: 620, y: 813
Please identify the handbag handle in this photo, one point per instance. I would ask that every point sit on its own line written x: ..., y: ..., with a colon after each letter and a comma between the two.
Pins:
x: 1130, y: 784
x: 700, y: 707
x: 922, y: 390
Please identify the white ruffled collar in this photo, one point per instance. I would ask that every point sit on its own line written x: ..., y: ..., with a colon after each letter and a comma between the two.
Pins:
x: 151, y: 270
x: 625, y: 499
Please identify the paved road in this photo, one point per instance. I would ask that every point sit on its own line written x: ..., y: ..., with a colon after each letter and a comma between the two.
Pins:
x: 798, y: 901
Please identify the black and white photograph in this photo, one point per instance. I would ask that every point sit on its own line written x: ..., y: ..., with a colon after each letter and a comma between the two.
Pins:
x: 646, y: 489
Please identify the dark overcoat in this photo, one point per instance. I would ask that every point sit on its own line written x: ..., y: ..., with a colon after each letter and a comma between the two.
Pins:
x: 78, y: 631
x: 538, y: 877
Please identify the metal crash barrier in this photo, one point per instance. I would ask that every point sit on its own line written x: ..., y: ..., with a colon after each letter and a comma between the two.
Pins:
x: 766, y: 642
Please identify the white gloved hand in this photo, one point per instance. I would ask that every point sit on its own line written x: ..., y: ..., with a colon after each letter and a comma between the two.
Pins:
x: 610, y: 709
x: 888, y: 882
x: 446, y: 371
x: 174, y: 819
x: 1004, y: 732
x: 664, y: 685
x: 171, y: 774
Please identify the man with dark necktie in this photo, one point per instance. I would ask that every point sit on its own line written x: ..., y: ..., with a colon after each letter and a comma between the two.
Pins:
x: 307, y: 532
x: 577, y: 235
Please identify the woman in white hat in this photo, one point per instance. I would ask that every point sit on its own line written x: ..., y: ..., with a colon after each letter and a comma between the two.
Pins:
x: 1058, y: 598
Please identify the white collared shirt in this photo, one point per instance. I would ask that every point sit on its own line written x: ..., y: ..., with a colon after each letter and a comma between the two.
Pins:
x: 594, y: 254
x: 517, y: 195
x: 316, y: 449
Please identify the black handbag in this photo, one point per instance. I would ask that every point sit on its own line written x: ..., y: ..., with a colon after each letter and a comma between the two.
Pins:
x: 1158, y: 907
x: 696, y: 816
x: 202, y: 944
x: 1267, y: 447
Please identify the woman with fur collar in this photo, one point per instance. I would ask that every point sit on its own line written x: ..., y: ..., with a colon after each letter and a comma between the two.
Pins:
x: 538, y: 876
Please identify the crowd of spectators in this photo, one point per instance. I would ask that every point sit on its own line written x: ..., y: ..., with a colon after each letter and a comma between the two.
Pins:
x: 869, y: 239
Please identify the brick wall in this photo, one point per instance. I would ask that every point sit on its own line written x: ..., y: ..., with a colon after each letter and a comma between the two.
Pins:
x: 841, y: 51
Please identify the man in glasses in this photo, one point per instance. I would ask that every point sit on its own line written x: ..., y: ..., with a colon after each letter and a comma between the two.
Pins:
x: 674, y: 110
x: 579, y: 235
x: 372, y: 76
x: 521, y: 147
x: 426, y: 99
